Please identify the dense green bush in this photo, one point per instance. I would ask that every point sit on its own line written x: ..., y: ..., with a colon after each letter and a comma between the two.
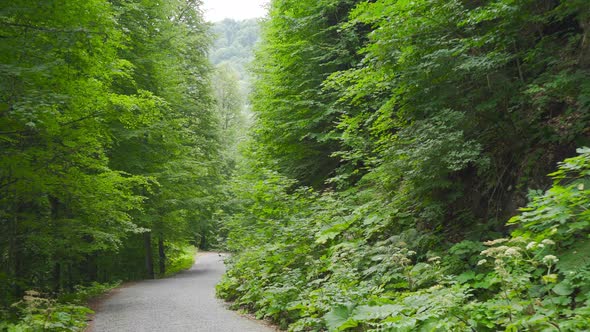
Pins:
x: 319, y: 263
x: 182, y: 257
x: 38, y: 312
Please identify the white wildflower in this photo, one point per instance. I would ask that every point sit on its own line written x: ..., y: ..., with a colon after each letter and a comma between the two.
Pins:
x: 482, y: 262
x: 495, y: 251
x: 435, y: 287
x: 531, y: 245
x: 550, y: 259
x: 494, y: 242
x: 512, y: 252
x: 548, y: 242
x: 517, y: 240
x: 434, y: 259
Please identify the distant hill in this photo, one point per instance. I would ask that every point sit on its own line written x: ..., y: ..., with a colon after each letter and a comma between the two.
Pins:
x: 235, y: 46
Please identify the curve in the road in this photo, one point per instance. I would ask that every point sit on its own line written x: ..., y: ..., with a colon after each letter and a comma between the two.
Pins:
x: 185, y: 302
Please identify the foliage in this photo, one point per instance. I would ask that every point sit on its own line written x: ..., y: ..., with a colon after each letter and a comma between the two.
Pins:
x: 393, y: 139
x: 37, y: 312
x: 308, y: 262
x: 294, y: 115
x: 42, y: 314
x: 230, y: 108
x: 182, y: 259
x: 234, y: 46
x: 110, y: 148
x: 83, y: 294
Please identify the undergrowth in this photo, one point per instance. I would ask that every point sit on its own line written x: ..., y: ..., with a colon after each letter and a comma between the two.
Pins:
x: 42, y: 312
x: 183, y: 259
x: 349, y: 262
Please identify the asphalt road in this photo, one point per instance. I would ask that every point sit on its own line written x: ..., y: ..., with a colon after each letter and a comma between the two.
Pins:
x: 185, y: 302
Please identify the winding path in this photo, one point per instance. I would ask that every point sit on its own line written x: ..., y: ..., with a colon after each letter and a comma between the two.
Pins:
x: 185, y: 302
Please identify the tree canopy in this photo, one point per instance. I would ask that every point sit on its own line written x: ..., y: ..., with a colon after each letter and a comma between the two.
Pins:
x: 110, y: 158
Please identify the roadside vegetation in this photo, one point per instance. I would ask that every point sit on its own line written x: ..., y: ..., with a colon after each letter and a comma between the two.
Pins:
x: 183, y: 258
x: 68, y: 312
x: 396, y: 174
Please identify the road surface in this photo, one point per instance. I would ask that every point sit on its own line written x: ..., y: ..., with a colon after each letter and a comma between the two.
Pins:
x: 185, y: 302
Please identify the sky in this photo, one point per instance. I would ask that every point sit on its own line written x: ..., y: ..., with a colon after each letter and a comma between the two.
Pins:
x: 217, y: 10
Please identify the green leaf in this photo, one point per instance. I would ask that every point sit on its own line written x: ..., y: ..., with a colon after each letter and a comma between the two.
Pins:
x: 465, y: 277
x: 332, y: 232
x: 365, y: 312
x: 563, y: 288
x: 339, y: 318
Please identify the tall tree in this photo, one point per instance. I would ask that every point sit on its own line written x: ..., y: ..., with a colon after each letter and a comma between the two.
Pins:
x: 107, y: 136
x: 303, y: 46
x: 179, y: 150
x: 60, y: 199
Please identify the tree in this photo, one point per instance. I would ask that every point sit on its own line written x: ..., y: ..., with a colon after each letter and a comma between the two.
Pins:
x: 180, y: 148
x: 303, y: 45
x: 107, y: 136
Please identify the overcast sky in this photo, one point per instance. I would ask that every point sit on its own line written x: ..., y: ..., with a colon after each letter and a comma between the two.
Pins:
x: 217, y: 10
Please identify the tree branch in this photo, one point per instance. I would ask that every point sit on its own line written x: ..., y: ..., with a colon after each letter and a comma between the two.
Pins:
x: 65, y: 124
x: 47, y: 29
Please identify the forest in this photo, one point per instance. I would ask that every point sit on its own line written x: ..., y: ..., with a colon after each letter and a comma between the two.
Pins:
x: 406, y: 166
x: 111, y: 152
x: 416, y: 166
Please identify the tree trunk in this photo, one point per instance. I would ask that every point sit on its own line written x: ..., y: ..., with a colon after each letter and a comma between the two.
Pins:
x: 204, y: 244
x: 14, y: 253
x: 57, y: 266
x: 91, y: 268
x: 585, y: 46
x: 57, y: 277
x: 162, y: 255
x: 149, y: 259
